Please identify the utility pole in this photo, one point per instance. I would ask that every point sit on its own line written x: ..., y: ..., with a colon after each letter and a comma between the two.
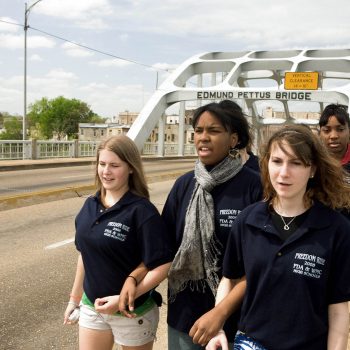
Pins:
x: 26, y: 26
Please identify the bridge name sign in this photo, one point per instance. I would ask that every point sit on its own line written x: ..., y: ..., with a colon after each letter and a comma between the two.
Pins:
x: 255, y: 95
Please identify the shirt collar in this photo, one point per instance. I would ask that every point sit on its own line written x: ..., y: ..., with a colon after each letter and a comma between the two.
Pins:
x: 317, y: 218
x: 127, y: 198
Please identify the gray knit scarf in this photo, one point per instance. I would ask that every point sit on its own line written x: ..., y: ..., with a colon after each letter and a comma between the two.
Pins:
x: 195, y: 263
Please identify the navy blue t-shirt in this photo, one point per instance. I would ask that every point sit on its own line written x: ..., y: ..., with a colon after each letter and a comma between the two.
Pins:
x: 290, y: 283
x: 114, y: 241
x: 230, y: 198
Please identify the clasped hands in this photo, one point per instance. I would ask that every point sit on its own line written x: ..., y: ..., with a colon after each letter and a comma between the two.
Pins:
x: 124, y: 302
x: 207, y: 331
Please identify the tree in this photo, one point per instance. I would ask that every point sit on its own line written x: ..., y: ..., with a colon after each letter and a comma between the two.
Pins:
x: 60, y: 116
x: 13, y: 129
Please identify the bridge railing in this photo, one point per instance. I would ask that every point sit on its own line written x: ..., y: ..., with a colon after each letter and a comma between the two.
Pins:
x: 42, y: 149
x: 170, y: 149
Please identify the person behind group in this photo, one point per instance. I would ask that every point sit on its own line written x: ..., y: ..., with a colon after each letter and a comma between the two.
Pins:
x: 293, y: 249
x: 249, y: 159
x: 199, y: 212
x: 334, y: 125
x: 335, y: 133
x: 118, y: 232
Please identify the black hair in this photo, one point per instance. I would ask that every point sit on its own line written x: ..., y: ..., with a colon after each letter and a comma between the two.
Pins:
x: 338, y: 111
x: 230, y: 116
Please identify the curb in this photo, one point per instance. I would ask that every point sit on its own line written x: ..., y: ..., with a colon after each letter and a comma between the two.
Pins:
x: 32, y: 198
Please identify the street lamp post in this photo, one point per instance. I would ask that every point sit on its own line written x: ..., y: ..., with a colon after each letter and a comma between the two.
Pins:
x: 26, y: 26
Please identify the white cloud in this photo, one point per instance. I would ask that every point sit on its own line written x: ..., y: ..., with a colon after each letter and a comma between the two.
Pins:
x: 165, y: 66
x: 11, y: 41
x: 7, y: 27
x: 114, y: 62
x: 37, y: 41
x: 248, y: 24
x: 8, y: 93
x: 154, y: 33
x: 112, y: 100
x: 124, y: 37
x: 60, y: 73
x: 76, y: 51
x: 92, y: 23
x: 56, y: 82
x: 35, y: 57
x: 92, y: 87
x: 86, y: 13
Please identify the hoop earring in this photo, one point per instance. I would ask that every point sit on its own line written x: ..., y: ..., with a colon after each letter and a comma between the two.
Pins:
x: 234, y: 153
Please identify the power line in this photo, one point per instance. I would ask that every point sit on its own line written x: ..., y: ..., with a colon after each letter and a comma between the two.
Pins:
x: 8, y: 22
x: 88, y: 47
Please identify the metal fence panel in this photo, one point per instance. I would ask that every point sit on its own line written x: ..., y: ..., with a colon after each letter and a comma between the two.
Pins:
x: 41, y: 149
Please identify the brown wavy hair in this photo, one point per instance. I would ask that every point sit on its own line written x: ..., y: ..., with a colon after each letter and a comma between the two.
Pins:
x: 128, y: 152
x: 328, y: 184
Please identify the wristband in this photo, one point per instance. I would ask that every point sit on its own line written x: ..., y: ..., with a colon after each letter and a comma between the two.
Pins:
x: 73, y: 303
x: 134, y: 278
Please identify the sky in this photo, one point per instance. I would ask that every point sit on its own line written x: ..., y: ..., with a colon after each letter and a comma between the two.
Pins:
x: 135, y: 44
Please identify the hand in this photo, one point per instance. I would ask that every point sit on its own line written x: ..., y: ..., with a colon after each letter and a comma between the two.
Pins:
x: 127, y: 297
x: 206, y: 327
x: 219, y: 341
x: 107, y: 305
x: 70, y: 308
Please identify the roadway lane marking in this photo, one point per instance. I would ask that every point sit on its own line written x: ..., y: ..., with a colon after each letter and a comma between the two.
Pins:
x: 59, y: 244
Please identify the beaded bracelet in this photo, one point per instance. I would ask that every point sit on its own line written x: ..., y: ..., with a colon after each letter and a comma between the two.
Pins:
x: 134, y: 278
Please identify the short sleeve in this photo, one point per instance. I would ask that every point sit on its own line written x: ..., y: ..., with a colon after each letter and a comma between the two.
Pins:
x: 233, y: 265
x: 339, y: 284
x: 154, y: 242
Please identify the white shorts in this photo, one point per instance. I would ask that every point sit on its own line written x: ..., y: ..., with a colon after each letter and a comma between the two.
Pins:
x: 126, y: 331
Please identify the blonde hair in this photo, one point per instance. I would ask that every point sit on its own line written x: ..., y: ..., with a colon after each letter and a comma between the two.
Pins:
x: 328, y: 184
x: 127, y: 151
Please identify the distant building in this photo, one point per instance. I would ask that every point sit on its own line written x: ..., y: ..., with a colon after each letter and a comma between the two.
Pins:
x: 122, y: 123
x: 100, y: 132
x: 267, y: 130
x: 125, y: 118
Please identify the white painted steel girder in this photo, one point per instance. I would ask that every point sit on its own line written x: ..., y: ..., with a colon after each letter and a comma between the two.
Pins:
x: 236, y: 68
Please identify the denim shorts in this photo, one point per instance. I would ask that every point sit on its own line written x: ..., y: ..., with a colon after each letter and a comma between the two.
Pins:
x: 243, y: 342
x: 126, y: 331
x: 181, y: 341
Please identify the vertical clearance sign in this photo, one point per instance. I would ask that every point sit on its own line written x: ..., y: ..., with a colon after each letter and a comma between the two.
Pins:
x: 301, y: 81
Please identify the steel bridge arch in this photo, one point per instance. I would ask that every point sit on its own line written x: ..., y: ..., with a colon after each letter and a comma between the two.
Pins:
x: 236, y: 70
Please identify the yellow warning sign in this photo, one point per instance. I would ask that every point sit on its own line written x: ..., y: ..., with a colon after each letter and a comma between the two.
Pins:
x: 301, y: 80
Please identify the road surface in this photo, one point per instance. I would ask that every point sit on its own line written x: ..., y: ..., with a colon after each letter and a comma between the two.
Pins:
x: 26, y: 181
x: 38, y: 260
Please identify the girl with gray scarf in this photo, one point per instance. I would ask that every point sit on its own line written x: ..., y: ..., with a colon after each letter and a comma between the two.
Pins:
x: 199, y: 212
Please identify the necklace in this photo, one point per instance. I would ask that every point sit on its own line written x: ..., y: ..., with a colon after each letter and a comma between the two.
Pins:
x: 286, y: 226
